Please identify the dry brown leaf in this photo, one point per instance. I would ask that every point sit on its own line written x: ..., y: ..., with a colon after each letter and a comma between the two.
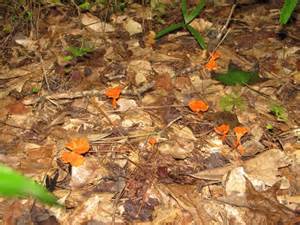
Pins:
x: 17, y: 108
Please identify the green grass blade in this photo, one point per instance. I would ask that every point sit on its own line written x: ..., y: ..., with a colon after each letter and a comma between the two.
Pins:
x: 287, y: 10
x: 169, y: 29
x: 13, y: 184
x: 195, y: 12
x: 197, y: 36
x: 184, y: 9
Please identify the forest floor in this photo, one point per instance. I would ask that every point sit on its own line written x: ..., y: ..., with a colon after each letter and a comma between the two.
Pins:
x: 126, y: 129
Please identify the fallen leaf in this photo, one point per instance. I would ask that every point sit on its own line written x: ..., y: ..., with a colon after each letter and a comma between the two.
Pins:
x: 113, y: 93
x: 223, y: 130
x: 198, y: 105
x: 73, y: 158
x: 126, y: 104
x: 133, y: 27
x: 17, y: 108
x: 94, y: 23
x: 78, y: 145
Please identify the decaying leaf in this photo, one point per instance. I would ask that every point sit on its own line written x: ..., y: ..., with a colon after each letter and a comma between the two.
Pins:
x: 17, y: 108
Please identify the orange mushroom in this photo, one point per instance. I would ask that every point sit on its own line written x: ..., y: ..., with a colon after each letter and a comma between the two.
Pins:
x: 198, y: 105
x: 113, y: 93
x: 223, y: 130
x: 78, y: 145
x: 73, y: 158
x: 239, y: 133
x: 212, y: 64
x: 152, y: 141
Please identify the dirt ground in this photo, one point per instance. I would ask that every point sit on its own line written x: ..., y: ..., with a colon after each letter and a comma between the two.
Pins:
x: 127, y: 129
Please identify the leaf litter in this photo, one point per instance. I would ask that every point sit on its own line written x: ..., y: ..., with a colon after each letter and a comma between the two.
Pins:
x: 132, y: 130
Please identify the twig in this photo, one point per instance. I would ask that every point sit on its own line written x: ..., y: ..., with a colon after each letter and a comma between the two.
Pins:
x: 221, y: 41
x: 65, y: 95
x: 89, y: 93
x: 44, y: 71
x: 258, y: 92
x: 77, y: 8
x: 227, y: 22
x: 171, y: 123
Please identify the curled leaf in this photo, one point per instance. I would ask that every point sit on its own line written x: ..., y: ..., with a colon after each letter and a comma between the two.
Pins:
x: 73, y: 158
x: 113, y: 93
x: 198, y: 105
x: 223, y: 130
x: 78, y: 145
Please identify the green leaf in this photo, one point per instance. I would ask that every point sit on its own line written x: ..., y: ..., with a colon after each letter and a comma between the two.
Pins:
x: 184, y: 9
x: 78, y: 52
x: 195, y: 12
x: 269, y: 126
x: 35, y: 90
x: 169, y: 29
x: 68, y: 58
x: 197, y: 36
x: 85, y: 6
x: 279, y: 111
x: 13, y: 184
x: 235, y: 76
x: 287, y: 10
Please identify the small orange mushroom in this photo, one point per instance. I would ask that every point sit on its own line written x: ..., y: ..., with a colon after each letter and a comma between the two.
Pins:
x: 223, y: 130
x: 113, y: 93
x: 152, y: 141
x: 78, y: 145
x: 73, y: 158
x: 212, y: 64
x: 198, y: 105
x: 239, y: 133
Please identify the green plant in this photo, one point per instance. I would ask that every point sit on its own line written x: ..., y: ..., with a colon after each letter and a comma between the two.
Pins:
x: 35, y: 90
x: 188, y: 18
x: 230, y: 101
x: 236, y: 76
x: 279, y: 111
x: 269, y: 127
x: 13, y: 184
x: 85, y: 6
x: 287, y: 10
x: 75, y: 52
